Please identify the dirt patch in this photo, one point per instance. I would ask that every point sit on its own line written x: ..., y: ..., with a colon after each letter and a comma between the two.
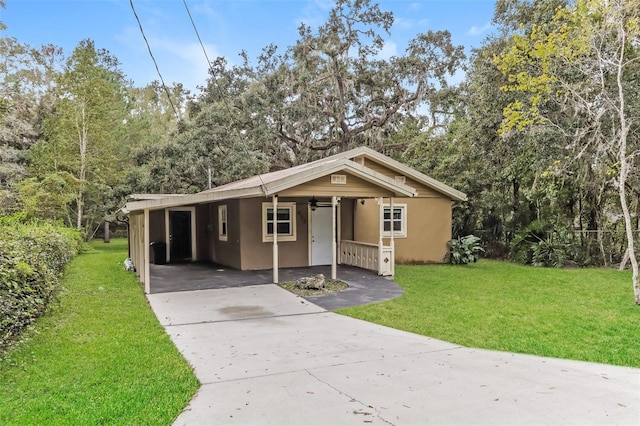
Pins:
x: 331, y: 286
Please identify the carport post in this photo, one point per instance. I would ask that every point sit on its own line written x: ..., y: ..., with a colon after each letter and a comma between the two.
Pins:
x: 392, y: 242
x: 147, y: 269
x: 275, y: 239
x: 334, y: 243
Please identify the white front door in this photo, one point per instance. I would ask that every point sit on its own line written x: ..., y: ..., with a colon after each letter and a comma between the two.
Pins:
x: 321, y: 236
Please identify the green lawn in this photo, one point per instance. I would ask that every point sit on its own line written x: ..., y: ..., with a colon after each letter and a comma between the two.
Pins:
x: 583, y: 314
x: 98, y: 357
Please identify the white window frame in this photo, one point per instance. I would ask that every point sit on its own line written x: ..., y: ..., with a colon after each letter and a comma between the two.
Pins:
x: 402, y: 233
x: 223, y: 223
x: 291, y: 236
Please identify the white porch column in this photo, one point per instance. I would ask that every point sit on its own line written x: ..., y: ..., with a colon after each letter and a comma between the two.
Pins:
x: 275, y: 239
x: 380, y: 242
x: 146, y: 242
x: 392, y: 242
x: 334, y: 243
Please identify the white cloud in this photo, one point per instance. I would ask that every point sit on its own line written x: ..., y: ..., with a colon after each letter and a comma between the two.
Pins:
x: 191, y: 69
x: 403, y: 23
x: 388, y: 50
x: 474, y: 30
x: 315, y: 13
x: 179, y: 61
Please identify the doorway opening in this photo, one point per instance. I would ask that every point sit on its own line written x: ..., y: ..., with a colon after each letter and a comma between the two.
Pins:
x: 181, y: 233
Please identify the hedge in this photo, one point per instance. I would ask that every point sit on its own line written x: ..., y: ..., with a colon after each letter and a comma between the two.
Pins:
x: 32, y: 259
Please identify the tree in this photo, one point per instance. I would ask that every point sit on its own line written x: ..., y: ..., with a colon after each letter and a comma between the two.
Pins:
x: 2, y: 26
x: 85, y: 135
x: 26, y: 77
x: 582, y: 69
x: 212, y: 145
x: 334, y: 89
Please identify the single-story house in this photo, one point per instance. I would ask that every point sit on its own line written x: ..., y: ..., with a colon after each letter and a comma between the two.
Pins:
x: 358, y: 208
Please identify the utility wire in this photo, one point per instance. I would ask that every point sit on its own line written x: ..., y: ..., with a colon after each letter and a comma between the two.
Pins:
x: 164, y: 86
x: 222, y: 97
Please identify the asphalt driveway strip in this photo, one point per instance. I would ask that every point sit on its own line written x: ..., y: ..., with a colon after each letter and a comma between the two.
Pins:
x: 265, y: 356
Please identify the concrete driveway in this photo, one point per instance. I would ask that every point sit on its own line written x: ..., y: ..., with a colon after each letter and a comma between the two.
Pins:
x: 265, y: 356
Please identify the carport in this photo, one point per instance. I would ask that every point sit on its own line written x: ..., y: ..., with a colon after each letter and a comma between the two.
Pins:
x: 364, y: 286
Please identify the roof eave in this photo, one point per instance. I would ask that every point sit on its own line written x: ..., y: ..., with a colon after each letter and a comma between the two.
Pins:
x: 408, y: 171
x: 322, y: 170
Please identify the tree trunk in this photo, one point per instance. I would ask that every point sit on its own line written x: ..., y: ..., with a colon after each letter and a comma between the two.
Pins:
x: 624, y: 170
x: 82, y: 142
x: 622, y: 181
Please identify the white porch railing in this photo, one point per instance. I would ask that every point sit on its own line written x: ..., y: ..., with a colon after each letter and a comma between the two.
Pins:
x: 367, y: 256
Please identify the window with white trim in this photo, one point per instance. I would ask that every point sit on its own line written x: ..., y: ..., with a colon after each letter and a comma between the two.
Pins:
x: 396, y: 221
x: 286, y: 221
x: 222, y: 222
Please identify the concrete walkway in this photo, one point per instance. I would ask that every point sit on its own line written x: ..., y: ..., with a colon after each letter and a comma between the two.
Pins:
x: 265, y: 356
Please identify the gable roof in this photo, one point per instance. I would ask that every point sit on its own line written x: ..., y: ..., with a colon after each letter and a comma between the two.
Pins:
x: 269, y: 184
x: 403, y: 169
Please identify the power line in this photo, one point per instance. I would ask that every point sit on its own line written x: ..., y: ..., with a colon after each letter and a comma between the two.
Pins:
x: 222, y: 97
x: 193, y: 24
x: 164, y: 86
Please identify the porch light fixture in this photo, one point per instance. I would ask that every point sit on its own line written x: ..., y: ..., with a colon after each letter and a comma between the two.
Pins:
x: 313, y: 203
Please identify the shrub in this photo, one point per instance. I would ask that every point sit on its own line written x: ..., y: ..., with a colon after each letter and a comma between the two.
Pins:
x: 32, y: 258
x: 464, y: 250
x: 545, y: 244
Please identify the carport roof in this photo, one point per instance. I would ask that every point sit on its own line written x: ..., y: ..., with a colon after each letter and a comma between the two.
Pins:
x: 269, y: 184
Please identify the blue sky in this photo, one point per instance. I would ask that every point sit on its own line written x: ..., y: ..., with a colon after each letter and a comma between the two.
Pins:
x: 226, y: 27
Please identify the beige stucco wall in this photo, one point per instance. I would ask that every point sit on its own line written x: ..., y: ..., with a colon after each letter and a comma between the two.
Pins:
x: 422, y: 190
x: 428, y: 228
x: 204, y: 232
x: 227, y: 252
x: 157, y: 226
x: 322, y: 187
x: 259, y: 255
x: 346, y: 218
x: 428, y: 221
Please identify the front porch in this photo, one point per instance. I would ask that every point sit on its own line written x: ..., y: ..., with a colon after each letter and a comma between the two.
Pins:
x: 364, y: 286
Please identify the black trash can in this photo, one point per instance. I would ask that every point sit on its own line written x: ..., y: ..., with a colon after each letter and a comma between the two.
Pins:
x: 159, y: 250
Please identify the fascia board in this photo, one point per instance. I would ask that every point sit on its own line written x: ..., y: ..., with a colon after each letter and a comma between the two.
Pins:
x: 420, y: 177
x: 377, y: 178
x: 146, y: 197
x: 322, y: 170
x: 191, y: 199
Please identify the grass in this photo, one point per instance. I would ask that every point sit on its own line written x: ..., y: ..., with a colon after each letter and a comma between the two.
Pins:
x: 99, y: 356
x: 581, y: 314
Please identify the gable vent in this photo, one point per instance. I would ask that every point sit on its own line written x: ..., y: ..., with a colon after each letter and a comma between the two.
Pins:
x: 339, y: 179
